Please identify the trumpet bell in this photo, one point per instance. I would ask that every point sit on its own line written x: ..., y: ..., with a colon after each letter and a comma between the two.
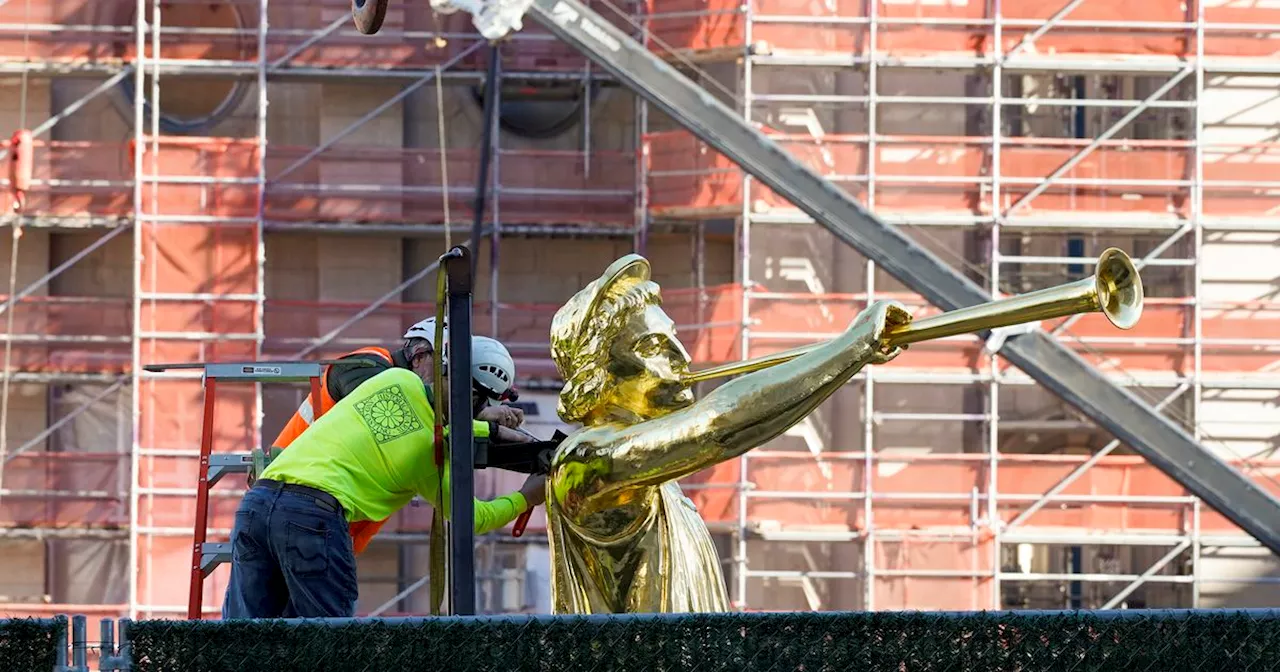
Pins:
x: 1119, y: 288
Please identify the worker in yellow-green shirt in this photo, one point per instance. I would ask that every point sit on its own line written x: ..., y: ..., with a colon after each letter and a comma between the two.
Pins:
x: 363, y: 460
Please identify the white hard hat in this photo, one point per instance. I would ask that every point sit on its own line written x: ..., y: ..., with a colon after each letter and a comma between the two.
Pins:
x: 492, y: 367
x: 426, y: 329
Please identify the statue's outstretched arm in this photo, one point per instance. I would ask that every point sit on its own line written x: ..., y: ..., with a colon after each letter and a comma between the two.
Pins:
x: 604, y: 465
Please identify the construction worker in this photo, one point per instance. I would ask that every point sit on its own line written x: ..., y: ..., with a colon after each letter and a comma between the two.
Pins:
x: 339, y: 380
x: 363, y: 460
x: 493, y: 374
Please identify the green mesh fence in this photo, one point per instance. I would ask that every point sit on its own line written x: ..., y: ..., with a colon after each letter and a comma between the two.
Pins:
x: 31, y: 643
x: 897, y: 641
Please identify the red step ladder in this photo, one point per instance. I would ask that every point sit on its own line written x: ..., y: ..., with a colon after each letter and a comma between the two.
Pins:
x: 205, y: 557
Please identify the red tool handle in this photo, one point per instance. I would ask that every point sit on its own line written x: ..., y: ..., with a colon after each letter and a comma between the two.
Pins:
x: 521, y: 523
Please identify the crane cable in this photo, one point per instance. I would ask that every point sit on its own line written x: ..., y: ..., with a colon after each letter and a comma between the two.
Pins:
x: 16, y: 218
x: 444, y: 162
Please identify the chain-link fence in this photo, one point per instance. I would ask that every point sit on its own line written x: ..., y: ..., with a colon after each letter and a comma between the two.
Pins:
x: 32, y: 643
x: 1213, y: 640
x: 901, y: 641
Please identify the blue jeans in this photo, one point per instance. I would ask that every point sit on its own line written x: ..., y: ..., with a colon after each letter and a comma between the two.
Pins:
x: 291, y: 557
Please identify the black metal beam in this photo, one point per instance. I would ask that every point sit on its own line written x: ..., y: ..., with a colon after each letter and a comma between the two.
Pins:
x: 1059, y: 370
x: 487, y: 149
x: 462, y: 514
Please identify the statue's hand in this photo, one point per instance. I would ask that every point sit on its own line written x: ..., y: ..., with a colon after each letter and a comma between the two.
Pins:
x: 871, y: 325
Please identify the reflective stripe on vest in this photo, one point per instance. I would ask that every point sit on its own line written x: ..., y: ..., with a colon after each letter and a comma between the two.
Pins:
x: 305, y: 412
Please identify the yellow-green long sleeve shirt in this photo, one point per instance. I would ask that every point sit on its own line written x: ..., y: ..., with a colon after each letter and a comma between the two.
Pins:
x: 374, y: 450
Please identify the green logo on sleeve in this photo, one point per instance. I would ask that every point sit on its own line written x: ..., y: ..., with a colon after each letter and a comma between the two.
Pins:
x: 388, y: 414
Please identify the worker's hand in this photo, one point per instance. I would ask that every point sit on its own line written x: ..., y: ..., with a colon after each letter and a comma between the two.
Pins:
x: 509, y: 435
x: 507, y: 416
x: 535, y: 489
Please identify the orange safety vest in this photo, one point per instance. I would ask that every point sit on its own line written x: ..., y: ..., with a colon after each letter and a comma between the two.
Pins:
x: 362, y: 531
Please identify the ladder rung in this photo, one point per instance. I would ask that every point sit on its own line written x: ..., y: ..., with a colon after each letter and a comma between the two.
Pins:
x: 212, y: 555
x: 221, y: 464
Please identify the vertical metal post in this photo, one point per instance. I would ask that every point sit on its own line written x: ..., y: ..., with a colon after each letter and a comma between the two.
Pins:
x: 994, y: 522
x: 260, y: 243
x: 586, y: 119
x: 1195, y: 554
x: 744, y: 259
x: 154, y: 211
x: 404, y: 563
x: 1075, y: 589
x: 60, y: 652
x: 486, y: 155
x: 126, y: 644
x: 642, y: 175
x: 79, y: 643
x: 135, y: 372
x: 495, y: 236
x: 458, y: 266
x: 642, y: 145
x: 868, y: 385
x: 997, y: 220
x: 698, y: 253
x: 869, y: 468
x: 1197, y: 220
x: 107, y: 658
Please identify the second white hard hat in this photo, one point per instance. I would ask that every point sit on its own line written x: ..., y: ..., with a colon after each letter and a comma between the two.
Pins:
x: 492, y: 366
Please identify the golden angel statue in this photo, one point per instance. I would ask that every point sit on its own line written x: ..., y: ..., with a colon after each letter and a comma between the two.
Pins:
x: 624, y: 538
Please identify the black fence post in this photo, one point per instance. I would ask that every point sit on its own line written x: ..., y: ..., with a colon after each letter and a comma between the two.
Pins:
x: 79, y: 643
x: 462, y: 591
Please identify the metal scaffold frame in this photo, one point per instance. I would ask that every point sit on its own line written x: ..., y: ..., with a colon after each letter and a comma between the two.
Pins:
x: 148, y: 216
x: 987, y: 522
x: 150, y: 178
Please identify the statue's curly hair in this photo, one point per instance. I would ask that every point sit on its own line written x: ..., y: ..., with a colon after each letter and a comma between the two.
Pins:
x: 584, y: 330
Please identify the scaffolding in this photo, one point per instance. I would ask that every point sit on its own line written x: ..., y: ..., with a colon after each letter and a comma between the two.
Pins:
x: 919, y: 486
x: 198, y: 208
x: 1072, y: 134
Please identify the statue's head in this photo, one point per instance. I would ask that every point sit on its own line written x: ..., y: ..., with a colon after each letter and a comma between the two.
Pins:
x: 617, y: 350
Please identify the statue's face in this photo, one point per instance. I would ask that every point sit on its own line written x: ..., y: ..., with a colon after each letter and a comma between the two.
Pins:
x: 649, y: 361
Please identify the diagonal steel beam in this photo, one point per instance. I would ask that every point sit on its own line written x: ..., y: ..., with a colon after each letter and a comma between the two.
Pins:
x: 47, y: 277
x: 377, y: 303
x: 48, y: 431
x: 1084, y: 466
x: 1061, y: 371
x: 323, y: 33
x: 1049, y: 23
x: 1151, y: 571
x: 1097, y: 142
x: 386, y: 105
x: 382, y: 609
x: 76, y: 105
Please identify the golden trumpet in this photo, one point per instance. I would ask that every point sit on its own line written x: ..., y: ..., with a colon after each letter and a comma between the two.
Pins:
x: 1115, y: 290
